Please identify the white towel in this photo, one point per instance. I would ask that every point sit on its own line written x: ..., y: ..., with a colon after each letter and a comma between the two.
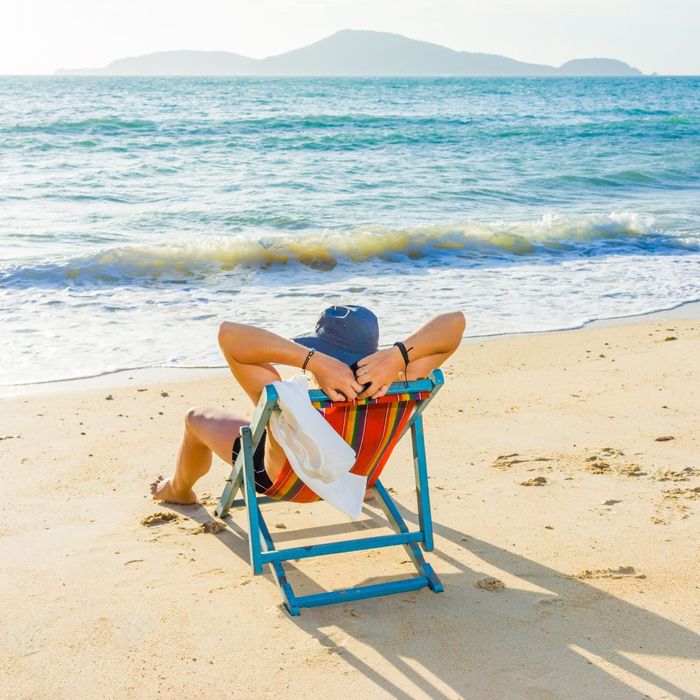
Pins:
x: 317, y: 454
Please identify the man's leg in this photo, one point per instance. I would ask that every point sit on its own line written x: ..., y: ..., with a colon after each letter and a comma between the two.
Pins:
x: 206, y: 430
x: 210, y: 430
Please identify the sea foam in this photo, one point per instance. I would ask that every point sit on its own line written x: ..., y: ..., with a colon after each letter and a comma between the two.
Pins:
x: 201, y: 257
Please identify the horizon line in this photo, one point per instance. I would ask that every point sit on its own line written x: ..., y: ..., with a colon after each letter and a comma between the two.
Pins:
x: 366, y: 76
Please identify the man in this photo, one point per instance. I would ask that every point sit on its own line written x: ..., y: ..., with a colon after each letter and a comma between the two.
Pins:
x: 345, y: 336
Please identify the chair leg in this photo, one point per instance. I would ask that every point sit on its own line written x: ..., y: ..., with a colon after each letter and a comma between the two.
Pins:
x: 399, y: 525
x: 233, y: 484
x: 251, y: 500
x: 421, y: 472
x: 278, y: 571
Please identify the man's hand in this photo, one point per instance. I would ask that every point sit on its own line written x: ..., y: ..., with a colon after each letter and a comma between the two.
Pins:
x: 334, y: 377
x: 379, y: 369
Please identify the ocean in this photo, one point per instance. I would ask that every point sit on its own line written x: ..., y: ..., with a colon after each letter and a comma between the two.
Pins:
x: 138, y: 213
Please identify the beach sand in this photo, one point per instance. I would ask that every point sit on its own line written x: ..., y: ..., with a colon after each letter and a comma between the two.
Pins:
x: 548, y: 474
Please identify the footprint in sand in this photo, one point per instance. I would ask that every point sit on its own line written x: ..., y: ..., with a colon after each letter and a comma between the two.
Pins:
x: 672, y: 504
x: 506, y: 461
x: 598, y: 463
x: 631, y: 470
x: 671, y: 475
x: 536, y: 481
x: 158, y: 519
x: 211, y: 527
x: 612, y: 452
x: 620, y: 572
x: 489, y: 583
x: 596, y: 466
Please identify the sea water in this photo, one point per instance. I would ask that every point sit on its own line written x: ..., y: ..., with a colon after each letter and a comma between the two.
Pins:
x: 138, y: 213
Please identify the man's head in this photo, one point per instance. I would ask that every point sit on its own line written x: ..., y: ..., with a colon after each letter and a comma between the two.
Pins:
x: 347, y: 333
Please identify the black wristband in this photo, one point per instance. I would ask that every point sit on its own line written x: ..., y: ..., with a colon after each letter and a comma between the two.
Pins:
x: 404, y: 352
x: 306, y: 361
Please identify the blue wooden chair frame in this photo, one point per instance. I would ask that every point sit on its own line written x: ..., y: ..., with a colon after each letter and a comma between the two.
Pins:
x: 262, y: 548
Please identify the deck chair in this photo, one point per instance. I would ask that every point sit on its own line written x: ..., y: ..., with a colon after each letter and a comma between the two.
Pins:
x: 372, y: 427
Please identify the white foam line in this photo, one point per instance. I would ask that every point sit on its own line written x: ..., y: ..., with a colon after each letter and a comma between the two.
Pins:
x: 693, y: 305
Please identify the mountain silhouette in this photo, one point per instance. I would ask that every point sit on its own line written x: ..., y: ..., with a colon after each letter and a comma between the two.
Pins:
x: 597, y: 66
x: 176, y: 63
x: 354, y: 53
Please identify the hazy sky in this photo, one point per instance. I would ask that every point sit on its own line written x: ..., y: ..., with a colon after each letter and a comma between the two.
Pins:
x: 38, y: 36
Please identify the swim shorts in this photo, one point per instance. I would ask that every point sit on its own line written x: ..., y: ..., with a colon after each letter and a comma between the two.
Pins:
x: 262, y: 480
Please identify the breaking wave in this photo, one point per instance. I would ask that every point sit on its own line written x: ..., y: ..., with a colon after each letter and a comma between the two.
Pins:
x: 469, y: 243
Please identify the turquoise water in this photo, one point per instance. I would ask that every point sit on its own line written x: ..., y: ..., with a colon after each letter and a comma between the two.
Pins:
x: 136, y: 213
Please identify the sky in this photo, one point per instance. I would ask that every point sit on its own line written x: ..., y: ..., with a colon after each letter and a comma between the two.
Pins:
x: 39, y: 36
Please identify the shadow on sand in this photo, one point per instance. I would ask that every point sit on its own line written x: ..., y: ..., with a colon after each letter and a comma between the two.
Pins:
x: 568, y: 639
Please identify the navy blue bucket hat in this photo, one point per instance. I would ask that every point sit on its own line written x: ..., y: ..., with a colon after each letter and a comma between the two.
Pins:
x: 347, y: 333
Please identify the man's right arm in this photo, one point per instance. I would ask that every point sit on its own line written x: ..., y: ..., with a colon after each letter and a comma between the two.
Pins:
x: 251, y: 345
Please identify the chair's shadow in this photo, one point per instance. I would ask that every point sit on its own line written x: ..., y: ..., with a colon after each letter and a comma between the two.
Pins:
x: 585, y: 638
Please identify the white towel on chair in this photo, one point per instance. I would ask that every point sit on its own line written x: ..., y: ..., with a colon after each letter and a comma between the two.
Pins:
x: 317, y: 454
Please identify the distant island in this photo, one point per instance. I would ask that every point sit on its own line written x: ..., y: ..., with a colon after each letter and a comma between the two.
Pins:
x: 354, y: 53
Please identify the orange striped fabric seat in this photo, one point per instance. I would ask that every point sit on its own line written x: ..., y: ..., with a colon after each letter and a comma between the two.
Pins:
x: 372, y: 427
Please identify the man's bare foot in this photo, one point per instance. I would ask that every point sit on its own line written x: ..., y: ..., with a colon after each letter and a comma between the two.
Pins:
x: 162, y: 490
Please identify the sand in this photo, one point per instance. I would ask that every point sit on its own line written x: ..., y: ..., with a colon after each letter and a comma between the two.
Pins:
x: 567, y: 537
